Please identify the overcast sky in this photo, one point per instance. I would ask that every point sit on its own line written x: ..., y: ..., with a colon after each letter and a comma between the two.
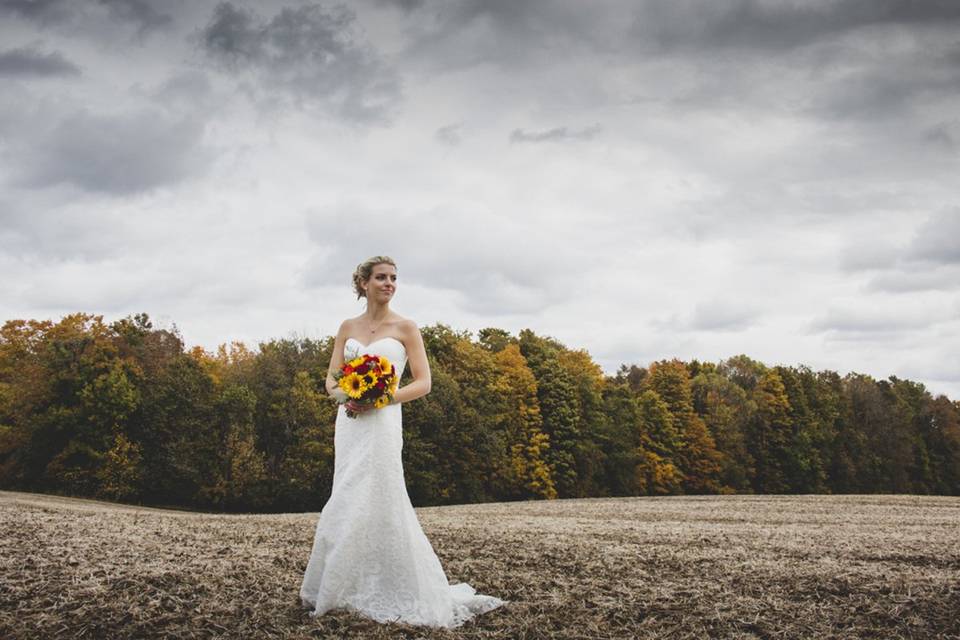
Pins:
x: 643, y: 180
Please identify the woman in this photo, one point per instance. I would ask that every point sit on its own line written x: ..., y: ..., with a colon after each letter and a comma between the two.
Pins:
x: 369, y: 552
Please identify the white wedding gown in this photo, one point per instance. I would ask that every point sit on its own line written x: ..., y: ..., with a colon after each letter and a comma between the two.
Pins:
x: 369, y: 552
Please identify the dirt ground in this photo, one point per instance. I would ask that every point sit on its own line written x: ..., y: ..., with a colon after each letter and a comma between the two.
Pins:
x: 664, y: 567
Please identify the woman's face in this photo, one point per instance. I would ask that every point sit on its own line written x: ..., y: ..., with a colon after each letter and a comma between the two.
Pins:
x: 382, y: 283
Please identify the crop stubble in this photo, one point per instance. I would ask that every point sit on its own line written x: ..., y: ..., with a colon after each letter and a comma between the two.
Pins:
x: 648, y: 567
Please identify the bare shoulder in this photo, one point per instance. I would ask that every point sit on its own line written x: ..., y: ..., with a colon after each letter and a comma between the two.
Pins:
x: 347, y: 325
x: 406, y: 329
x: 407, y: 326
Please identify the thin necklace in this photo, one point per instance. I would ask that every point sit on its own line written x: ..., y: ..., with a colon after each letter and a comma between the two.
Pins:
x: 378, y: 326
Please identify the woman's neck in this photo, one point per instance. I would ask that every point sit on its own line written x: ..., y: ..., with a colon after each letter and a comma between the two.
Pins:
x: 376, y: 311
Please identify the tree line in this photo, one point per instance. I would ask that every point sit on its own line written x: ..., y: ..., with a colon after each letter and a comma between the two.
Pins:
x: 123, y: 411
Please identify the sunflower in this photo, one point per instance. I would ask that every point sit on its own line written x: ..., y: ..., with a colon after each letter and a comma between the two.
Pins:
x: 353, y: 385
x: 381, y: 402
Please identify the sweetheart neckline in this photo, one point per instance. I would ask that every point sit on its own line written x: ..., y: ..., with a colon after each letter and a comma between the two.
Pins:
x: 367, y: 346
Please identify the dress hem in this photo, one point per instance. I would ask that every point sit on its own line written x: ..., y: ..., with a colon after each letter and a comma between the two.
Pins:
x: 487, y: 606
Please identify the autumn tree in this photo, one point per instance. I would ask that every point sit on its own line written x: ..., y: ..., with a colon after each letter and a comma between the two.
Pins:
x: 123, y: 411
x: 518, y: 420
x: 695, y: 453
x: 940, y: 429
x: 559, y: 408
x: 595, y: 432
x: 727, y: 411
x: 657, y: 470
x: 304, y: 478
x: 769, y: 434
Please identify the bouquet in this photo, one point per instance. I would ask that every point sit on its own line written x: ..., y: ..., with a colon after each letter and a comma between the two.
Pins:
x: 368, y: 379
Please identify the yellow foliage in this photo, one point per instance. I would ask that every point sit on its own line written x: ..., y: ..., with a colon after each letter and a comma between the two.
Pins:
x: 657, y: 475
x: 521, y: 422
x: 581, y: 366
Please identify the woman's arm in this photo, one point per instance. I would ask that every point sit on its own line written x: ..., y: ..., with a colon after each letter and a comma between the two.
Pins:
x: 419, y: 367
x: 336, y: 361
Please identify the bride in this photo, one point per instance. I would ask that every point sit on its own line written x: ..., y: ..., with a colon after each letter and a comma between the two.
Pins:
x: 369, y: 553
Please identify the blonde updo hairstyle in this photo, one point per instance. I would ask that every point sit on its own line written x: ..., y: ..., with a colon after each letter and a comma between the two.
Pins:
x: 364, y: 271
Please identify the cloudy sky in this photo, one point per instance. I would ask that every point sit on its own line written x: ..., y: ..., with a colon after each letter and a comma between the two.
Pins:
x: 645, y: 180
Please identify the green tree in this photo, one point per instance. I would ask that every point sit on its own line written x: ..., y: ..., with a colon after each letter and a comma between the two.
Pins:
x: 518, y: 420
x: 623, y: 441
x: 727, y: 411
x: 769, y: 434
x: 121, y: 474
x: 559, y: 408
x: 656, y: 472
x: 306, y: 471
x: 695, y: 452
x: 940, y: 428
x: 495, y: 340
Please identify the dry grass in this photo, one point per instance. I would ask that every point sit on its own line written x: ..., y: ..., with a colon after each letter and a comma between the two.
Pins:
x: 677, y: 567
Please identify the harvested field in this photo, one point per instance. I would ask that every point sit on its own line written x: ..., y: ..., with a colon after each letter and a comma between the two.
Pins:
x: 677, y: 567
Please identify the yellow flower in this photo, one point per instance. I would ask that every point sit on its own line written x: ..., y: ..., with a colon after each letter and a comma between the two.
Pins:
x: 353, y: 385
x: 384, y: 365
x: 381, y: 402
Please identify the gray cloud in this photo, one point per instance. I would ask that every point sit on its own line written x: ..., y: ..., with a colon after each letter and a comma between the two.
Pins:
x: 28, y: 61
x: 869, y: 253
x: 117, y: 154
x: 941, y: 369
x: 938, y: 240
x: 35, y: 226
x: 944, y: 136
x: 939, y: 278
x: 557, y: 134
x: 870, y: 321
x: 140, y: 13
x: 505, y: 32
x: 42, y: 12
x: 775, y: 26
x: 862, y: 63
x: 310, y: 54
x: 450, y: 134
x: 187, y: 92
x: 514, y: 35
x: 926, y: 260
x: 722, y: 315
x: 487, y: 260
x: 406, y: 5
x: 880, y: 85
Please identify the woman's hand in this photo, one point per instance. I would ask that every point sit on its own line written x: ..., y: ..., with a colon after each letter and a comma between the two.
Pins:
x: 358, y: 407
